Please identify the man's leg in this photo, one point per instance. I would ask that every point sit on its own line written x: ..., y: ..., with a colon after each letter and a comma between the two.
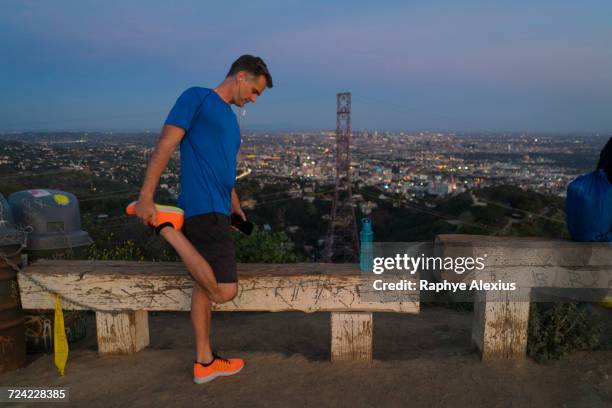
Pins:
x: 201, y: 307
x: 206, y: 290
x: 209, y: 366
x: 198, y: 267
x: 200, y: 319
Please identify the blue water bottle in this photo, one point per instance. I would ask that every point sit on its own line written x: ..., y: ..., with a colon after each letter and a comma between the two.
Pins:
x: 366, y: 236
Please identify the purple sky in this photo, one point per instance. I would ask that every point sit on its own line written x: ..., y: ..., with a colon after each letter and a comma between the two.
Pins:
x: 436, y: 65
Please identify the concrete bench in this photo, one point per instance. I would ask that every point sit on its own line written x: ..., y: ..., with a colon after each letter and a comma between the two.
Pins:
x: 121, y: 294
x: 501, y: 318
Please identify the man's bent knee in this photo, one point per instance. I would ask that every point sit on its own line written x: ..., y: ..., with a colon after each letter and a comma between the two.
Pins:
x: 225, y: 292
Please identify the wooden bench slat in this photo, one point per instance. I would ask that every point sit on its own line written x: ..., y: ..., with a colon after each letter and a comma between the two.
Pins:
x: 110, y: 289
x: 61, y: 267
x: 525, y: 251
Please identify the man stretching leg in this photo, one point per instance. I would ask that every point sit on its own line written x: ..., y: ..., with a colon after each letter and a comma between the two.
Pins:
x: 204, y: 124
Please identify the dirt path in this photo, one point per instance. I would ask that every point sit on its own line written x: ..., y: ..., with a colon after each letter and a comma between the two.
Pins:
x: 422, y: 361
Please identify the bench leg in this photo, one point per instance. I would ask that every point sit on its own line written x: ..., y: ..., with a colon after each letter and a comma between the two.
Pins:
x: 501, y: 319
x: 122, y: 332
x: 351, y: 336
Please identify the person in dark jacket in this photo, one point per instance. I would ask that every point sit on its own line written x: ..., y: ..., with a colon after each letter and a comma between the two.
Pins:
x: 605, y: 160
x: 588, y: 204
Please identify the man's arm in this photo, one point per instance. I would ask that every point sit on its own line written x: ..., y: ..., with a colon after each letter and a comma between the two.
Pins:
x: 171, y: 136
x: 236, y: 205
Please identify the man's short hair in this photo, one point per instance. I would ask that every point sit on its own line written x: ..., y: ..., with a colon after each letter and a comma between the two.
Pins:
x: 253, y: 65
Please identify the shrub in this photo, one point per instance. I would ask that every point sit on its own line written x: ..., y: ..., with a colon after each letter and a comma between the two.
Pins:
x: 556, y: 329
x: 265, y: 247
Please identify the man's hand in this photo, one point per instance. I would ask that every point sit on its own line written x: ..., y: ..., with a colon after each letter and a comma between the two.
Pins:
x: 145, y: 210
x: 236, y: 209
x: 236, y: 205
x: 239, y: 212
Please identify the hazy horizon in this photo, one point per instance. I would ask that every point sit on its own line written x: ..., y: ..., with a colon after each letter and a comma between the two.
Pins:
x: 311, y: 131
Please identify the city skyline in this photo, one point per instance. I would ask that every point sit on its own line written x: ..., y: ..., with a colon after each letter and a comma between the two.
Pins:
x: 439, y: 67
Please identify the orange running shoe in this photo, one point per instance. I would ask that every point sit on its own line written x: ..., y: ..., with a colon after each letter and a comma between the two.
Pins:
x: 165, y: 215
x: 219, y: 367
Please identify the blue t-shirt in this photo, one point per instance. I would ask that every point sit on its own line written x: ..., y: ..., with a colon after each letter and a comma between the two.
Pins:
x: 208, y: 151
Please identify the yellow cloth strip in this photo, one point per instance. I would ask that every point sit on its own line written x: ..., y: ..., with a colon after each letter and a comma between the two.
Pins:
x: 60, y: 342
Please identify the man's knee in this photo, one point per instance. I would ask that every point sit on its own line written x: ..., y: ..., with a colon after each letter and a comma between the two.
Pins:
x: 225, y: 293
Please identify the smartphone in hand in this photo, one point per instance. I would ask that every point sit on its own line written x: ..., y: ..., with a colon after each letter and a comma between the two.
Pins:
x: 246, y: 227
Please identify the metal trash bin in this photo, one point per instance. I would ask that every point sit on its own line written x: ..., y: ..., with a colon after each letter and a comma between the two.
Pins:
x: 55, y: 219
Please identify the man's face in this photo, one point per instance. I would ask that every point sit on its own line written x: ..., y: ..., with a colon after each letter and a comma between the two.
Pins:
x: 249, y: 87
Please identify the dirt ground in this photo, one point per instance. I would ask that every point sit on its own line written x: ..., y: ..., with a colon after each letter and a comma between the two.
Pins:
x: 420, y: 361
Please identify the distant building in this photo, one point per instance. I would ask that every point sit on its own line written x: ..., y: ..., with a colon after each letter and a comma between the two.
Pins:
x: 439, y: 189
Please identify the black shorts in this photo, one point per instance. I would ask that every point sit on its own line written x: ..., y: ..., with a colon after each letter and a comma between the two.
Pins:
x: 210, y: 235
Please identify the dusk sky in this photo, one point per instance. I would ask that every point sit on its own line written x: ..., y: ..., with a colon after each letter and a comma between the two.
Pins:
x: 411, y: 65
